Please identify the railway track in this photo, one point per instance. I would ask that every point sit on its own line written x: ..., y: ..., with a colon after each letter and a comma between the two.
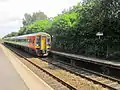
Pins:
x: 45, y: 71
x: 105, y: 81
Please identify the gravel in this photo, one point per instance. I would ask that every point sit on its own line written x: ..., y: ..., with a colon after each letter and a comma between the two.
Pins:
x: 70, y: 78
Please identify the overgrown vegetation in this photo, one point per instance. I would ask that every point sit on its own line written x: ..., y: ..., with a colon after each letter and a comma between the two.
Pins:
x: 75, y: 30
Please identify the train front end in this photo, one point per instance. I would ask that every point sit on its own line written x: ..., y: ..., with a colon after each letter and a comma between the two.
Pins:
x: 43, y: 44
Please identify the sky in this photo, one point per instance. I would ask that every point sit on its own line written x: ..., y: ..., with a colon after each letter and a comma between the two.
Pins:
x: 12, y: 11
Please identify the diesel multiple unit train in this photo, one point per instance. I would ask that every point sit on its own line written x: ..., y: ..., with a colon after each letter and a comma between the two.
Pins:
x: 38, y: 43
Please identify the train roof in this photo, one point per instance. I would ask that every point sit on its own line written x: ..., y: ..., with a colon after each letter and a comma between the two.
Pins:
x: 27, y: 35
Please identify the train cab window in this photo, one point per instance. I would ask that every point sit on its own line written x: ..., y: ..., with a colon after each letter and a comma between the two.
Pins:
x: 38, y: 40
x: 48, y: 41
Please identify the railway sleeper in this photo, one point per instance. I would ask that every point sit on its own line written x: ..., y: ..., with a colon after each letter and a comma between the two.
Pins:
x: 115, y: 85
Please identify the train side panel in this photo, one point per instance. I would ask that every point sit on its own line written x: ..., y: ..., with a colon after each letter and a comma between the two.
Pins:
x: 38, y: 44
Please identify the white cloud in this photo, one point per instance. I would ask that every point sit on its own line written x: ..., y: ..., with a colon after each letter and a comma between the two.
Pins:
x: 3, y: 0
x: 12, y: 11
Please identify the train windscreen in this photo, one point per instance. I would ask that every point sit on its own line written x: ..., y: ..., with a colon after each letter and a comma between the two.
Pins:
x: 38, y: 40
x: 48, y: 41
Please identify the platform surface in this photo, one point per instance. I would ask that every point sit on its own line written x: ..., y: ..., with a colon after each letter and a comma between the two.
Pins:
x: 14, y: 75
x: 88, y: 59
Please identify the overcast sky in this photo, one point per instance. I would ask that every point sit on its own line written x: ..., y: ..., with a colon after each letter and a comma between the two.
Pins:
x: 12, y: 11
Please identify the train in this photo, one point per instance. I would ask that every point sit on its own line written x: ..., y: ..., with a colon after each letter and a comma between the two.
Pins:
x: 37, y: 44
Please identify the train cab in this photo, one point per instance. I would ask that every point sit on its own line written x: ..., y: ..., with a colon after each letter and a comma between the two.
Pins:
x: 43, y: 44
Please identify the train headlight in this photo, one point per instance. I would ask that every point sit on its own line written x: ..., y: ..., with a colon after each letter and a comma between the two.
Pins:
x: 37, y: 45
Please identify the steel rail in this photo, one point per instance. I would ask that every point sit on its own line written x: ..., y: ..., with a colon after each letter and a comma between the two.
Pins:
x: 51, y: 75
x: 82, y: 75
x: 88, y: 78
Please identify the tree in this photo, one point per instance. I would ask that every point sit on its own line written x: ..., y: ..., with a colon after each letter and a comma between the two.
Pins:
x: 38, y: 16
x: 75, y: 29
x: 61, y: 30
x: 22, y: 30
x: 28, y: 19
x: 11, y: 34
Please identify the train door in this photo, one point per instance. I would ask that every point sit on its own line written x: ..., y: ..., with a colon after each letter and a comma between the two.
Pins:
x: 43, y: 42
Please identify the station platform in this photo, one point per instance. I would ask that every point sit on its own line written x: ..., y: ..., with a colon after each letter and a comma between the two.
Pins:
x: 14, y: 75
x: 89, y: 59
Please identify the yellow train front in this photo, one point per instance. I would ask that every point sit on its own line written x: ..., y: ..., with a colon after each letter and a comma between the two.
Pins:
x: 38, y: 43
x: 42, y: 44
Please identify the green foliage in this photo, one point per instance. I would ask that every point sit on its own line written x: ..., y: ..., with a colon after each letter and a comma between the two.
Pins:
x: 11, y: 34
x: 76, y: 33
x: 37, y: 26
x: 74, y: 30
x: 39, y: 16
x: 62, y: 28
x: 22, y: 30
x: 28, y: 19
